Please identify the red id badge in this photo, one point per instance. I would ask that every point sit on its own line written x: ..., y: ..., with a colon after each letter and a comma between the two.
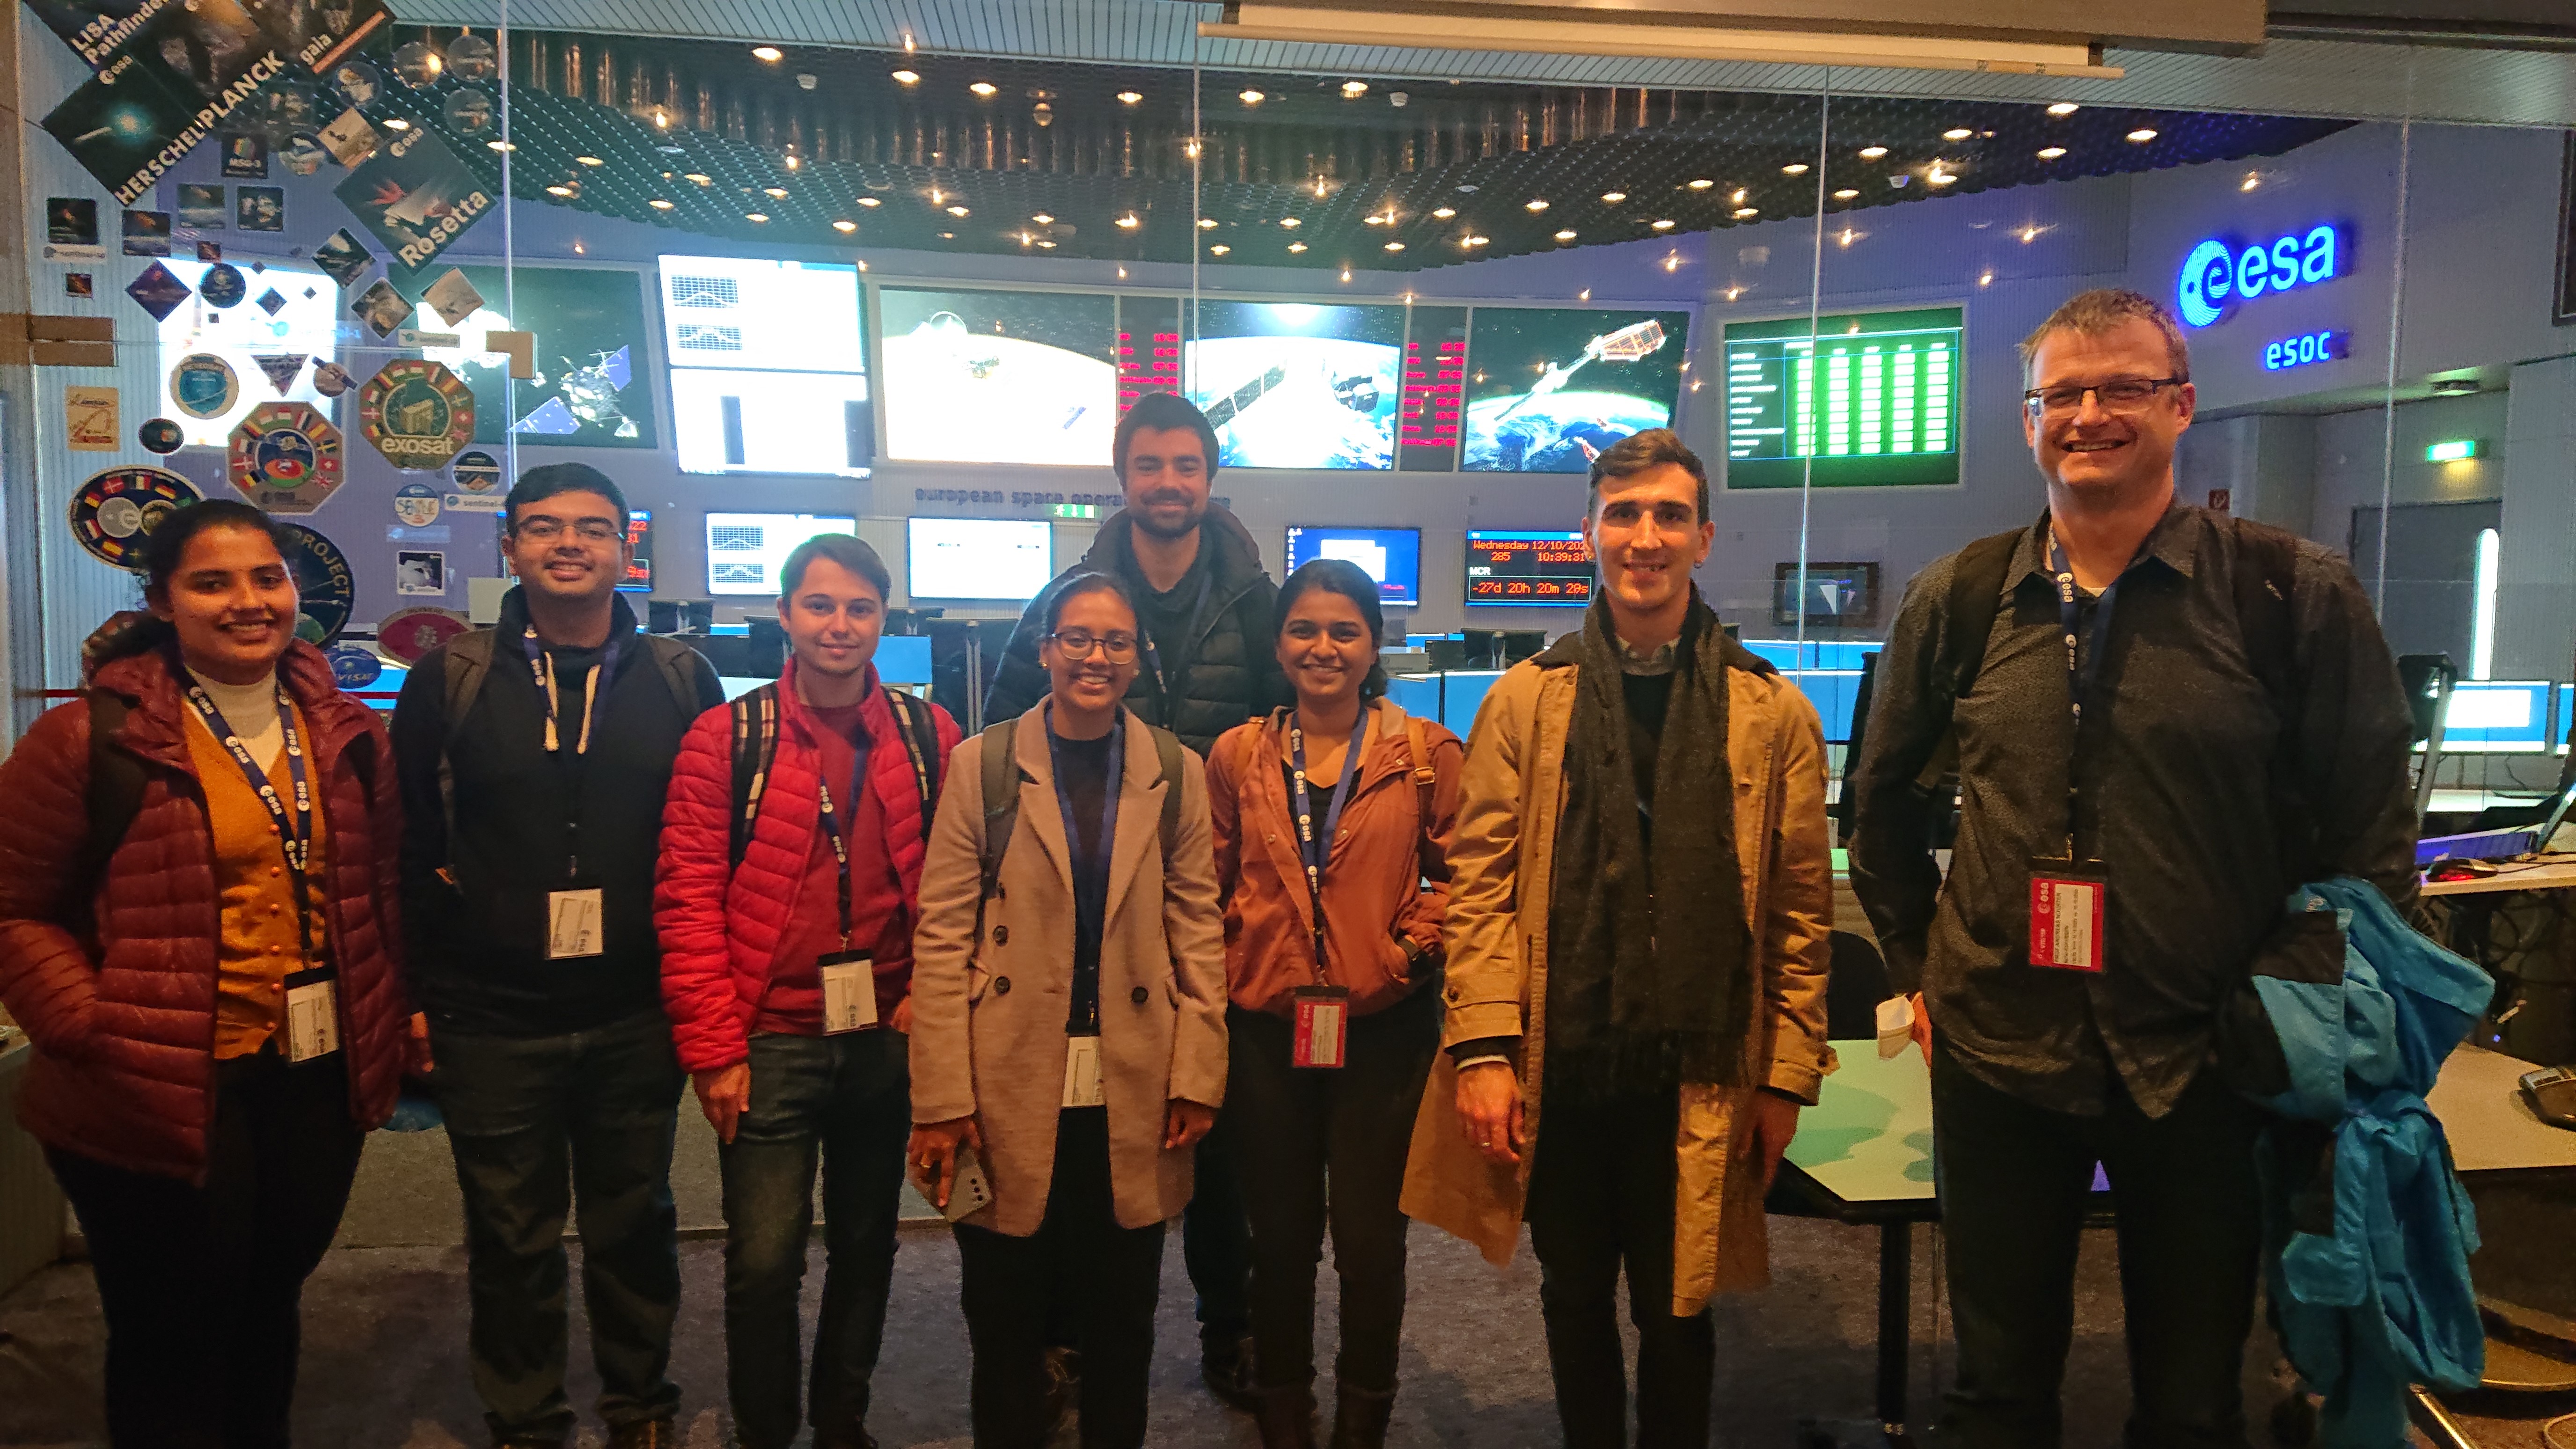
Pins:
x: 2066, y: 913
x: 1323, y: 1025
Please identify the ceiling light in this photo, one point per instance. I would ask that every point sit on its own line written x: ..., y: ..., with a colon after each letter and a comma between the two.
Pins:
x: 2143, y: 135
x: 869, y: 201
x: 1129, y: 221
x: 1045, y: 245
x: 1939, y: 178
x: 1190, y: 148
x: 1847, y: 236
x: 1986, y: 279
x: 792, y: 161
x: 2063, y: 108
x: 1845, y: 194
x: 396, y: 123
x: 501, y: 145
x: 1444, y: 212
x: 1565, y: 236
x: 1672, y: 262
x: 1701, y: 183
x: 1738, y: 197
x: 1614, y: 197
x: 1220, y: 249
x: 1043, y: 219
x: 1296, y: 246
x: 1372, y: 219
x: 1355, y: 89
x: 2051, y: 153
x: 1872, y: 153
x: 1250, y: 98
x: 948, y: 236
x: 983, y: 88
x: 1395, y: 246
x: 775, y: 193
x: 768, y: 53
x: 590, y: 161
x: 845, y: 225
x: 1346, y: 274
x: 938, y: 197
x: 1794, y: 168
x: 1664, y: 225
x: 2252, y: 180
x: 658, y: 204
x: 1957, y: 133
x: 702, y: 178
x: 956, y: 211
x: 1290, y: 222
x: 907, y: 77
x: 755, y: 216
x: 1207, y: 223
x: 1473, y: 241
x: 558, y: 191
x: 1534, y: 204
x: 1742, y: 212
x: 2029, y: 234
x: 1128, y: 98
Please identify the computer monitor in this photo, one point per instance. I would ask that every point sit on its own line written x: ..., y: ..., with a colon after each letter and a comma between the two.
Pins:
x: 1390, y: 556
x: 2566, y: 715
x: 639, y: 537
x: 2497, y: 717
x: 978, y: 558
x: 904, y: 659
x: 746, y: 550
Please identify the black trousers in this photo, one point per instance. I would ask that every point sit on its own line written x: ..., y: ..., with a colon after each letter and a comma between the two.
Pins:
x: 1080, y: 1268
x: 1296, y: 1131
x: 2014, y: 1179
x: 1601, y: 1198
x: 203, y: 1287
x: 1216, y: 1242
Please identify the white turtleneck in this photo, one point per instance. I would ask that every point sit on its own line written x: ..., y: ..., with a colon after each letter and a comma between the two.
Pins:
x: 251, y: 709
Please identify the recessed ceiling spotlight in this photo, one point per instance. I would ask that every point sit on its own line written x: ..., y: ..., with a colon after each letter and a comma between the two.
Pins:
x: 702, y: 178
x: 1740, y: 194
x: 2143, y: 135
x: 1957, y: 133
x: 1346, y: 273
x: 1130, y: 221
x: 1207, y: 223
x: 1565, y: 236
x: 1355, y: 89
x: 948, y: 236
x: 1393, y: 247
x: 1744, y: 212
x: 1043, y: 219
x: 907, y: 77
x: 590, y: 161
x: 1672, y: 261
x: 396, y: 123
x: 1614, y: 197
x: 983, y: 88
x: 1535, y: 204
x: 1220, y: 249
x: 774, y: 193
x: 845, y: 225
x: 1044, y: 245
x: 1444, y: 212
x: 2029, y: 234
x: 1665, y: 225
x: 1251, y: 98
x: 1129, y: 98
x: 502, y: 145
x: 956, y: 211
x: 658, y: 204
x: 2063, y: 108
x: 1372, y: 219
x: 1986, y: 279
x: 1846, y: 194
x: 755, y: 216
x: 1872, y: 153
x: 869, y: 201
x: 1794, y: 168
x: 1290, y: 222
x: 1939, y: 178
x: 558, y: 191
x: 2051, y: 153
x: 1296, y: 246
x: 1701, y: 183
x: 2252, y: 180
x: 769, y: 53
x: 1473, y: 241
x: 793, y: 161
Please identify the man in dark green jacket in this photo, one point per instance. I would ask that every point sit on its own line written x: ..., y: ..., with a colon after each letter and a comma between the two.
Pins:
x: 1204, y: 603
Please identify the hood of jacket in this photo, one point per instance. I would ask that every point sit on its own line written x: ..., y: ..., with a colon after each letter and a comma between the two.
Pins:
x: 1234, y: 556
x: 513, y: 622
x: 155, y: 728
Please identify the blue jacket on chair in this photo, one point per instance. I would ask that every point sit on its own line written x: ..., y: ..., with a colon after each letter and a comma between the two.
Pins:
x: 2367, y: 1230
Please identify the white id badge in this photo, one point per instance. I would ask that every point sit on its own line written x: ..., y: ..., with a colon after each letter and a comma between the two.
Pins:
x: 1081, y: 1072
x: 312, y: 1017
x: 849, y: 992
x: 573, y: 926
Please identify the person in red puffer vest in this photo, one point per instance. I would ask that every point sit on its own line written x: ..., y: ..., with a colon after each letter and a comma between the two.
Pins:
x: 789, y: 879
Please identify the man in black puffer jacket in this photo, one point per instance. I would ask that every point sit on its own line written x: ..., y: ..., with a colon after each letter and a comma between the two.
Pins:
x: 1204, y: 605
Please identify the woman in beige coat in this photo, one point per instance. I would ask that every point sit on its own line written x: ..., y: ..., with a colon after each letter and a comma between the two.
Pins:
x: 1068, y: 1025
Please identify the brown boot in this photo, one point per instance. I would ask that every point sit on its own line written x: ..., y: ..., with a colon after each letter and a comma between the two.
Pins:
x: 1286, y: 1418
x: 1360, y: 1418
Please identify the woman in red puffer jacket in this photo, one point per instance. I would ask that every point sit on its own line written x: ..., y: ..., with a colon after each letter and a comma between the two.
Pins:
x: 212, y: 1043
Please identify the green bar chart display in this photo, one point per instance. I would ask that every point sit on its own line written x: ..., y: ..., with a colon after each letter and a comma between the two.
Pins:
x: 1860, y: 400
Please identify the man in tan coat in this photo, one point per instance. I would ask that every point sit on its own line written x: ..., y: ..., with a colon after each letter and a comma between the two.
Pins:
x: 1639, y: 906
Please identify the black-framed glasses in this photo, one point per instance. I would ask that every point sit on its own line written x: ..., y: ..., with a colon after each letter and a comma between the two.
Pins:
x: 2119, y: 395
x: 1079, y: 644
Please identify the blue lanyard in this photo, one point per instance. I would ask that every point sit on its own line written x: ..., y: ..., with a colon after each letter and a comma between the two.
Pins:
x: 1090, y: 853
x: 1316, y: 850
x: 831, y: 823
x: 294, y: 833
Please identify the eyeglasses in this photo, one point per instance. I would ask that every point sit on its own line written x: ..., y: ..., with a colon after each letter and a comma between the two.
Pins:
x: 547, y: 530
x: 2119, y: 395
x: 1079, y: 644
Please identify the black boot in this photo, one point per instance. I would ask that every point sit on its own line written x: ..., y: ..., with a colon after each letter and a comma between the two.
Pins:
x: 1360, y: 1417
x: 1226, y: 1367
x: 1286, y: 1418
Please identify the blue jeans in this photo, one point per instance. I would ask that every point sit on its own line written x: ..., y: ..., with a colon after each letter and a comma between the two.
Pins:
x: 536, y: 1122
x: 846, y: 1100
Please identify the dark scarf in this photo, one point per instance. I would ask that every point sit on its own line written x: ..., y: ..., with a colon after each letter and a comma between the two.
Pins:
x: 1647, y: 988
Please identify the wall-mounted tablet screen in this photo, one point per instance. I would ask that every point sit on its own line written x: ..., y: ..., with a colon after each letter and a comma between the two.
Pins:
x: 746, y: 550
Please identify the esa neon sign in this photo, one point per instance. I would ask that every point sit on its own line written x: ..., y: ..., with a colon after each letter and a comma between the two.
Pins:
x: 2306, y: 348
x: 2218, y: 274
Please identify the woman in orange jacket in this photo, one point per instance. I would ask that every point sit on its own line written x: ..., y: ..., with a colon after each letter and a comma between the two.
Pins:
x: 1332, y: 819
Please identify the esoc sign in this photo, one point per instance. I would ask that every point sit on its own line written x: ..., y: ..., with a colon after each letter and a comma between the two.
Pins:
x: 2219, y: 274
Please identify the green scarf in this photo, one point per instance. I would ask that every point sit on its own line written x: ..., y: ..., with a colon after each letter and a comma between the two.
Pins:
x: 1647, y: 987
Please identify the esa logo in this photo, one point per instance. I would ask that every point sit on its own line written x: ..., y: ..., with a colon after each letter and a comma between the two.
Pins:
x: 2219, y: 274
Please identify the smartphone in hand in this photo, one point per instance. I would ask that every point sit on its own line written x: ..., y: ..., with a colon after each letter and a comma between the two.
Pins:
x: 968, y: 1191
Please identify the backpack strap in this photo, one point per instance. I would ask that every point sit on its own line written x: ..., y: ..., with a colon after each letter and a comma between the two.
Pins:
x: 1417, y: 742
x: 113, y: 797
x: 2266, y: 579
x: 754, y: 717
x: 1976, y: 597
x: 469, y: 662
x: 1001, y: 808
x: 678, y: 663
x: 921, y: 741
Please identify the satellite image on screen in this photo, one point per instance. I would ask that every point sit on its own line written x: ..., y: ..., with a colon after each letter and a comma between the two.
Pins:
x: 999, y: 377
x: 1549, y: 388
x: 1297, y: 384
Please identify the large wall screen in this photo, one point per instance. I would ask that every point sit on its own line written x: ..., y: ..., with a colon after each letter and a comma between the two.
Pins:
x: 746, y: 550
x: 978, y: 558
x: 768, y: 366
x: 1549, y: 388
x: 1867, y: 399
x: 1298, y: 384
x: 999, y: 377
